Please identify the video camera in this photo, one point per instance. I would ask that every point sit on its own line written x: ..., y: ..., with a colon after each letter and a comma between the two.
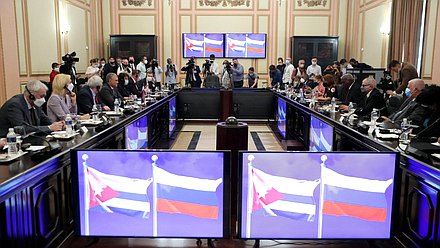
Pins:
x: 386, y: 82
x: 70, y: 58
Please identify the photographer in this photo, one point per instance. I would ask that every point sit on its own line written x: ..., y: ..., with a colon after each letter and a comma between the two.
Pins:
x: 68, y: 67
x: 192, y: 70
x: 170, y: 74
x: 210, y: 72
x: 226, y: 75
x: 157, y: 72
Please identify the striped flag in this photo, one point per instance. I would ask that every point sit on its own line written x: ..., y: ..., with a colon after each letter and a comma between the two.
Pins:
x: 282, y: 196
x: 352, y: 196
x: 186, y: 195
x: 194, y: 45
x: 118, y: 194
x: 236, y: 45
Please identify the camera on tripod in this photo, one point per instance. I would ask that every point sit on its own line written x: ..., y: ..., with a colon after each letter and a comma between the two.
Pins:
x: 70, y: 58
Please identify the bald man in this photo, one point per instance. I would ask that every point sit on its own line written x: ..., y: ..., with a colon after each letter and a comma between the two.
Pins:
x: 371, y: 97
x: 410, y: 109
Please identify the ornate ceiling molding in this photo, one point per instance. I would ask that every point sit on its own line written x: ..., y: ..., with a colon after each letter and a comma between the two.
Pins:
x: 312, y: 3
x: 136, y: 3
x: 224, y: 3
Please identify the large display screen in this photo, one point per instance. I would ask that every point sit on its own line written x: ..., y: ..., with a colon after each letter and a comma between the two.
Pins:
x: 124, y: 193
x: 317, y: 195
x: 281, y: 117
x: 136, y: 134
x: 203, y: 45
x: 245, y: 45
x: 321, y: 136
x: 173, y: 116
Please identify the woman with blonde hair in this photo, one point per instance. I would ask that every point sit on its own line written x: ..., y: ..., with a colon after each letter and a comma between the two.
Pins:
x: 63, y: 100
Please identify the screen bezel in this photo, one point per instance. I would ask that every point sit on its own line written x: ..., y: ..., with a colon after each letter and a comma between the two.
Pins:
x: 125, y: 134
x: 197, y: 57
x: 285, y: 117
x: 170, y: 132
x: 394, y: 207
x: 226, y: 188
x: 330, y: 125
x: 243, y: 57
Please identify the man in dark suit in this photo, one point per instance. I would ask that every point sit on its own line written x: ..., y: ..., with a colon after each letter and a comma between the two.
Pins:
x: 25, y: 110
x: 371, y: 97
x: 410, y: 109
x: 351, y: 90
x: 406, y: 72
x: 109, y: 91
x: 87, y: 95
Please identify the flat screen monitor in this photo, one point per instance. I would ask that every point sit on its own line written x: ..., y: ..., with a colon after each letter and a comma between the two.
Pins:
x: 136, y: 134
x: 173, y: 116
x: 245, y: 45
x: 121, y: 193
x: 321, y: 135
x: 281, y: 117
x: 309, y: 195
x: 203, y: 45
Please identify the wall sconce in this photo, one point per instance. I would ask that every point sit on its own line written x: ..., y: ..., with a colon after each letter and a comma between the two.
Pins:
x: 280, y: 2
x: 384, y: 30
x: 65, y: 29
x: 169, y: 2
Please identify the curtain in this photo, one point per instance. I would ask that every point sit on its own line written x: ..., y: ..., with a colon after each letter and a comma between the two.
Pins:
x: 406, y: 21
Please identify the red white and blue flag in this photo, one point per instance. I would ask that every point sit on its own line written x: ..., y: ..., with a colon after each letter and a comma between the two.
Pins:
x: 118, y: 194
x: 282, y: 196
x: 352, y: 196
x: 194, y: 45
x: 186, y: 195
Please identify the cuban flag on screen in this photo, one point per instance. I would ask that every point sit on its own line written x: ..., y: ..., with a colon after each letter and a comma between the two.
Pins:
x: 314, y: 139
x: 118, y: 194
x: 236, y: 45
x: 282, y: 196
x: 186, y: 195
x: 352, y: 196
x: 194, y: 45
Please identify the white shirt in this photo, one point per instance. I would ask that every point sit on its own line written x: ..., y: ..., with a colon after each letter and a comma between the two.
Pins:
x: 142, y: 68
x: 158, y: 74
x: 315, y: 69
x: 288, y: 71
x: 170, y: 77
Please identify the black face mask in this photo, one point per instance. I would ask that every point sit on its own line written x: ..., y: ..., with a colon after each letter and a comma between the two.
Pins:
x: 112, y: 63
x: 132, y: 61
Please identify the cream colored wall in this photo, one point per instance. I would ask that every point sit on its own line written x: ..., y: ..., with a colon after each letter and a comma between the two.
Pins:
x: 428, y: 69
x: 436, y: 51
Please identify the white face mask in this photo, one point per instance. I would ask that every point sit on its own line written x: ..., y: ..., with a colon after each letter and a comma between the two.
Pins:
x: 39, y: 102
x: 287, y: 62
x: 145, y: 61
x: 302, y: 80
x: 149, y: 78
x: 314, y: 62
x: 57, y: 69
x: 70, y: 87
x: 126, y: 82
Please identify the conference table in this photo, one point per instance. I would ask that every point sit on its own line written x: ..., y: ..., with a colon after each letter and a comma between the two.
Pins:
x: 36, y: 202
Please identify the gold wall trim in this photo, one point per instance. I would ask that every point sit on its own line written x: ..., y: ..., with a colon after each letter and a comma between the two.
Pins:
x: 3, y: 96
x: 429, y: 6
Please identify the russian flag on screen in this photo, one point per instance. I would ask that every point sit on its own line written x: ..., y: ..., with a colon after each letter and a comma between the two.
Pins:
x: 186, y: 195
x: 213, y: 45
x: 355, y: 197
x: 254, y: 44
x: 118, y: 194
x: 282, y: 196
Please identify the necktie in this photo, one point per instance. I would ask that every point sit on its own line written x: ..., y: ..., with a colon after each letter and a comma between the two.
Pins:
x: 33, y: 117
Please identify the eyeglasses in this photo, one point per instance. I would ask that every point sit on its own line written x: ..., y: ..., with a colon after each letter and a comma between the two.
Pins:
x: 365, y: 85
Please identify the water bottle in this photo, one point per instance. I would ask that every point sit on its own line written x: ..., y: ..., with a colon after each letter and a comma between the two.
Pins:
x: 95, y: 113
x: 117, y: 104
x: 69, y: 125
x: 333, y: 104
x: 313, y: 103
x: 350, y: 107
x: 11, y: 138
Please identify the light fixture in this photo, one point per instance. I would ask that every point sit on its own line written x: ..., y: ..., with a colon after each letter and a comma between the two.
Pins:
x: 65, y: 28
x: 169, y: 2
x: 280, y: 2
x: 385, y: 30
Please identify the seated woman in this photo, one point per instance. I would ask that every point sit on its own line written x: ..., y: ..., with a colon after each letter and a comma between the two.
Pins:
x: 330, y: 88
x: 123, y: 82
x: 62, y: 100
x: 320, y: 89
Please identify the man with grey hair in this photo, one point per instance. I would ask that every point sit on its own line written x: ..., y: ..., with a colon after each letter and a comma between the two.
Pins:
x: 109, y: 91
x: 87, y: 95
x: 25, y: 110
x: 371, y: 97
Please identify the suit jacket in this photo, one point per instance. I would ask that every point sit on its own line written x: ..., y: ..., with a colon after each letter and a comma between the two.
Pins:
x: 107, y: 96
x: 366, y: 105
x: 411, y: 110
x: 57, y: 108
x: 407, y: 73
x: 352, y: 94
x: 15, y: 112
x: 85, y: 100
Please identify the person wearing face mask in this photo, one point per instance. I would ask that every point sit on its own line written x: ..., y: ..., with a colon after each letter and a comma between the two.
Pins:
x: 131, y: 63
x: 142, y: 67
x: 288, y: 72
x: 123, y: 82
x: 93, y: 69
x: 25, y: 110
x: 55, y: 71
x: 252, y: 78
x: 109, y: 67
x: 125, y: 67
x: 314, y: 68
x: 62, y: 101
x: 410, y: 108
x: 301, y: 69
x: 281, y: 66
x: 170, y: 74
x: 88, y: 96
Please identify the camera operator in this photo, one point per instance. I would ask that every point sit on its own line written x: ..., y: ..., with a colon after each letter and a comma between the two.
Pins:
x: 192, y: 70
x: 387, y: 84
x: 210, y: 72
x: 157, y: 72
x: 68, y: 67
x: 170, y: 74
x: 227, y: 75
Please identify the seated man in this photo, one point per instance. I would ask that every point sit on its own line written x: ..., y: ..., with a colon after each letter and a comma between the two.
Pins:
x: 87, y: 95
x: 371, y: 97
x: 410, y: 109
x: 109, y: 91
x: 25, y: 110
x: 351, y: 90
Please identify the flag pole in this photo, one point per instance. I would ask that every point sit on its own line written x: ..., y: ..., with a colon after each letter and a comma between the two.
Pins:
x: 249, y: 196
x: 321, y: 196
x: 86, y: 195
x: 154, y: 204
